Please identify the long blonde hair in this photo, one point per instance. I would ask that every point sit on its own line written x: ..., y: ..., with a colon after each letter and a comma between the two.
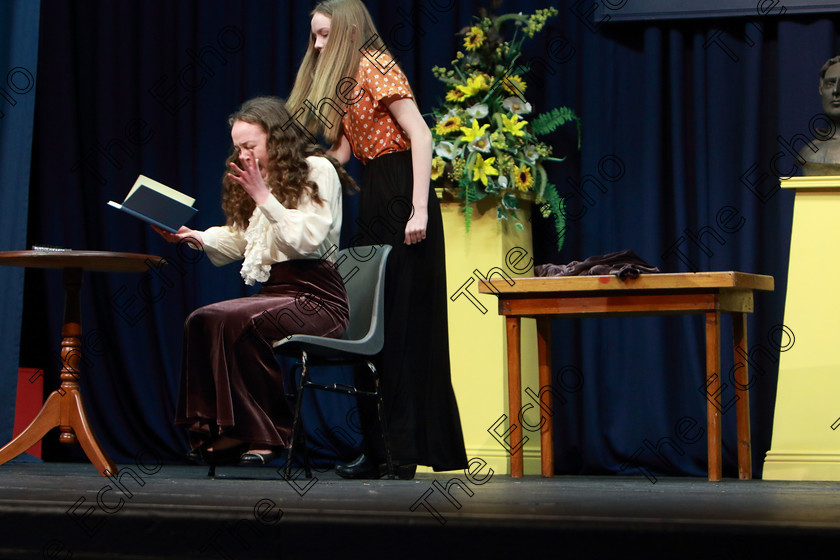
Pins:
x: 351, y: 27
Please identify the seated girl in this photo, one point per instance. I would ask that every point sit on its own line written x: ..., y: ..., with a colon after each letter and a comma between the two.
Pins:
x: 282, y: 199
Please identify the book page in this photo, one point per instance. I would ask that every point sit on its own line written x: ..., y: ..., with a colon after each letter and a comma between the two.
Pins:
x: 162, y: 189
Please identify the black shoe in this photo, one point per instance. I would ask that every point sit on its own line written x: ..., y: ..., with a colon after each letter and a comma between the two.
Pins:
x: 195, y: 455
x: 362, y: 467
x: 259, y: 459
x: 228, y: 456
x: 404, y: 471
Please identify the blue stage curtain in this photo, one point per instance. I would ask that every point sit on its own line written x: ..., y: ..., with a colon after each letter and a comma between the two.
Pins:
x: 682, y: 121
x: 687, y: 127
x: 146, y: 87
x: 18, y: 69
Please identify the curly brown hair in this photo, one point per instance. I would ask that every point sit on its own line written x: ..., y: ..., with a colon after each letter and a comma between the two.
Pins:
x: 287, y: 168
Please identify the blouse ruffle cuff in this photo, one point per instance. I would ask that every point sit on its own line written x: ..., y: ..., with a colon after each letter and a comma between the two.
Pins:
x: 253, y: 270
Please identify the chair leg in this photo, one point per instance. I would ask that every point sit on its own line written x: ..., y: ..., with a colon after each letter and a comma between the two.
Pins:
x: 293, y: 403
x: 291, y: 398
x: 297, y: 421
x: 380, y: 410
x: 304, y: 448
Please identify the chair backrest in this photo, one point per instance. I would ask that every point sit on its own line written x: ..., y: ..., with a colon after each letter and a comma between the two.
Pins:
x: 363, y: 271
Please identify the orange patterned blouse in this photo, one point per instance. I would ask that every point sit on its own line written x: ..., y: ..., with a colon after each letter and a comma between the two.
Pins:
x: 368, y: 125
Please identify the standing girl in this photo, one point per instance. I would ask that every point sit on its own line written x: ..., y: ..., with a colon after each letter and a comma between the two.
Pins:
x: 381, y: 125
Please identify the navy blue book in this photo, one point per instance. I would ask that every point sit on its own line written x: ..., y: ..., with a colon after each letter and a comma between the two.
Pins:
x: 157, y: 204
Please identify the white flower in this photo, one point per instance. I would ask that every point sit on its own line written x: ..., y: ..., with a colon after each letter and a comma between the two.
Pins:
x: 478, y: 111
x: 446, y: 150
x: 515, y: 106
x: 503, y: 181
x: 449, y: 113
x: 530, y: 153
x: 482, y: 144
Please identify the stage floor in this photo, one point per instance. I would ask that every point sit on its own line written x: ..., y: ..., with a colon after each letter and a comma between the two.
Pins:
x: 50, y: 510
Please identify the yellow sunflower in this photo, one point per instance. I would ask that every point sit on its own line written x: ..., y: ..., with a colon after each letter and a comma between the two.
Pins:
x: 438, y: 165
x: 514, y: 85
x: 523, y: 178
x: 451, y: 124
x: 474, y: 39
x: 455, y: 96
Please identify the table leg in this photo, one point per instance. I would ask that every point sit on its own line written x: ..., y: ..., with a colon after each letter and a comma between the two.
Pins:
x: 46, y: 420
x: 73, y: 423
x: 742, y: 405
x: 64, y: 407
x: 546, y: 432
x: 712, y: 392
x: 84, y: 435
x: 514, y: 344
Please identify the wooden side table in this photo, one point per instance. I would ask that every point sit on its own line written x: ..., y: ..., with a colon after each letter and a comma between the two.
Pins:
x: 64, y: 407
x: 710, y: 293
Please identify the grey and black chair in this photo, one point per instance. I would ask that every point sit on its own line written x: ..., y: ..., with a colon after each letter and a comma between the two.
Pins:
x: 363, y: 272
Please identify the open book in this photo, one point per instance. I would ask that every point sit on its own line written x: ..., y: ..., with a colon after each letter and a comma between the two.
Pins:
x: 157, y: 204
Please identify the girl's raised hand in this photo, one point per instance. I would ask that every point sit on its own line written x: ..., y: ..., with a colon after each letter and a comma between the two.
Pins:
x: 250, y: 178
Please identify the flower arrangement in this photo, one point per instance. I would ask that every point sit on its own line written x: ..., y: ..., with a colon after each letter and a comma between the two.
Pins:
x: 485, y: 141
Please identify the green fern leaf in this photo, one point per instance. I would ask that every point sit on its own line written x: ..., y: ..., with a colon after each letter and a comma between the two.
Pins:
x: 468, y: 188
x: 557, y: 209
x: 550, y: 121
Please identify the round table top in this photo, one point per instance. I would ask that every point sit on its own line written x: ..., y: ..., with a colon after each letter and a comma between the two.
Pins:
x: 103, y: 261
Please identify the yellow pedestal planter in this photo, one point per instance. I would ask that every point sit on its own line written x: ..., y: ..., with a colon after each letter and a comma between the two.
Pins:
x: 806, y: 427
x: 477, y: 332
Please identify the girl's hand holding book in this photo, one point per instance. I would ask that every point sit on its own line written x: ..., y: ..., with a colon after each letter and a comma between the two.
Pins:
x: 184, y: 233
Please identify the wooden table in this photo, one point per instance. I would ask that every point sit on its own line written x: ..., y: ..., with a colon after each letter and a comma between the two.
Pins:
x: 710, y: 293
x: 64, y: 407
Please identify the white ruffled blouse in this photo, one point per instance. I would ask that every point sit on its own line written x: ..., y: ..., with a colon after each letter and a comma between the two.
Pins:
x: 277, y: 234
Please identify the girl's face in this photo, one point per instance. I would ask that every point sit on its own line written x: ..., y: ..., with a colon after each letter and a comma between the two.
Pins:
x: 320, y: 30
x: 251, y: 141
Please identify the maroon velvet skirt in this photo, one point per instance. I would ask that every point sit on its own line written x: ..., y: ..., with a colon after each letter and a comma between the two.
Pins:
x: 231, y: 383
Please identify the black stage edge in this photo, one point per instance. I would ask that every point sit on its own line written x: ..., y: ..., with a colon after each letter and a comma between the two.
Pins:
x: 66, y: 510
